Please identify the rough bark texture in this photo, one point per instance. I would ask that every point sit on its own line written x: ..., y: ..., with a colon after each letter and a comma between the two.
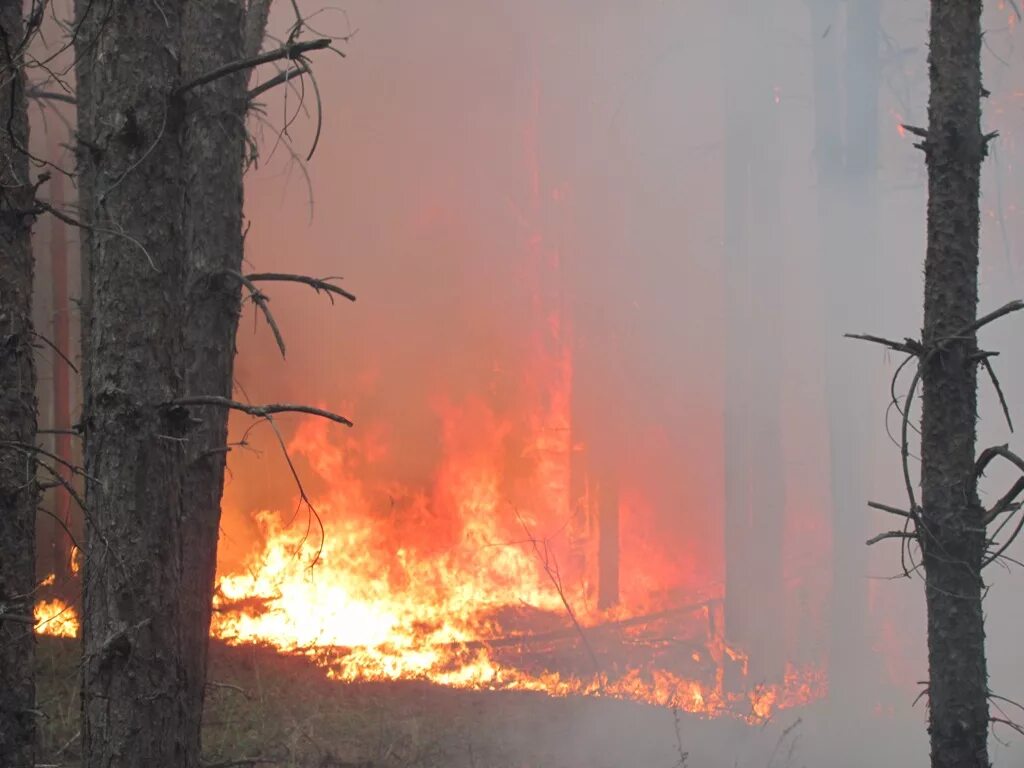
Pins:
x: 135, y: 705
x: 754, y: 493
x: 18, y: 489
x: 214, y: 149
x: 161, y: 189
x: 951, y: 531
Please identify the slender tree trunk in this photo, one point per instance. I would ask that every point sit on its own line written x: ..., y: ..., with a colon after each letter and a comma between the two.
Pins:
x: 847, y: 240
x: 18, y: 489
x: 61, y: 523
x: 951, y: 530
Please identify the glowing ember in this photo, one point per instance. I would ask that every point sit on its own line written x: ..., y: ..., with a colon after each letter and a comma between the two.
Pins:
x: 55, y: 618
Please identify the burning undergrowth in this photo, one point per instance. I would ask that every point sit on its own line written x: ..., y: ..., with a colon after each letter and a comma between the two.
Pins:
x: 472, y: 581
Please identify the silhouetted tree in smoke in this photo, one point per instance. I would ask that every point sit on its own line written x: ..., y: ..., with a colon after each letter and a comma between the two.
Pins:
x: 949, y: 523
x: 754, y: 473
x: 846, y: 153
x: 162, y: 104
x: 18, y: 487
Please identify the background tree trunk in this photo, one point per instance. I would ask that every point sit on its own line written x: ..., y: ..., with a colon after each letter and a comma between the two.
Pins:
x: 754, y: 472
x: 18, y: 489
x: 951, y: 530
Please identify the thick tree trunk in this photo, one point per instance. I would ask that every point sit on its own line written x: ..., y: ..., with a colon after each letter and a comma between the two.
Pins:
x: 951, y: 530
x: 18, y: 489
x: 162, y: 190
x: 135, y: 710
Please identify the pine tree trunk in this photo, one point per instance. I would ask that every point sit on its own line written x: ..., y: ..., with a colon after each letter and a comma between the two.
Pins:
x: 215, y: 146
x: 951, y: 530
x: 18, y: 489
x: 134, y: 708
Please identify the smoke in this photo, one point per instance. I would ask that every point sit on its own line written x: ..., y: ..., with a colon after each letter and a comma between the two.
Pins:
x: 500, y: 181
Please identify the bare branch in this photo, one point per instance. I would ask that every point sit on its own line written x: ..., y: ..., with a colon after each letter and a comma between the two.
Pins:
x: 261, y: 301
x: 910, y: 346
x: 318, y: 284
x: 281, y: 77
x: 260, y: 411
x: 1013, y: 306
x: 291, y: 51
x: 999, y: 391
x: 891, y: 535
x: 989, y: 454
x: 1005, y: 502
x: 890, y: 510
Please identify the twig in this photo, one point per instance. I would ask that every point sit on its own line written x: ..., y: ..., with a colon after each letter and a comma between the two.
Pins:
x: 278, y: 79
x: 318, y: 284
x: 292, y: 51
x: 1005, y: 502
x: 263, y: 303
x: 891, y: 535
x: 261, y: 411
x: 890, y: 510
x: 989, y: 454
x: 55, y: 349
x: 1013, y: 306
x: 556, y: 579
x: 910, y: 346
x: 999, y: 391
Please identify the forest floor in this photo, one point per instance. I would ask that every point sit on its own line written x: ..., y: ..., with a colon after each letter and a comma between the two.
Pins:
x: 268, y: 709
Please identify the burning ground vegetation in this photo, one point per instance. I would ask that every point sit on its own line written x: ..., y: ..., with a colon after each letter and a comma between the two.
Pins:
x: 268, y: 708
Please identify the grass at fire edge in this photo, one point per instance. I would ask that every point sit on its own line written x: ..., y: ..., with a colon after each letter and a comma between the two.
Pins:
x: 271, y: 709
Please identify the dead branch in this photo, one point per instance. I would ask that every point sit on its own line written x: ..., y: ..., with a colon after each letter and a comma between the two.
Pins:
x: 1006, y: 544
x: 260, y: 411
x: 989, y: 454
x: 890, y: 510
x: 551, y: 568
x: 279, y: 79
x: 1006, y: 309
x: 290, y: 50
x: 41, y: 95
x: 910, y: 346
x: 263, y: 303
x: 1005, y: 502
x: 891, y: 535
x: 999, y: 390
x: 55, y: 350
x: 318, y: 284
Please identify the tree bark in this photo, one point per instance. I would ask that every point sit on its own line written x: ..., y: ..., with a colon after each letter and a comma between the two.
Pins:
x: 134, y: 706
x: 161, y: 192
x: 951, y: 530
x: 214, y: 148
x: 18, y: 488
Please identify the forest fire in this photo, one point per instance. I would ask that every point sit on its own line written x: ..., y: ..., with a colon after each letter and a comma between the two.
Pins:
x: 457, y: 585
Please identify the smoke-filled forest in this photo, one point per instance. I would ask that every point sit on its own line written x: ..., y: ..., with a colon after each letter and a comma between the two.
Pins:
x: 528, y: 384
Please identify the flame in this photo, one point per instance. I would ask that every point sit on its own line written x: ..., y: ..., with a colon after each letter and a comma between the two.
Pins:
x: 55, y: 618
x: 456, y: 585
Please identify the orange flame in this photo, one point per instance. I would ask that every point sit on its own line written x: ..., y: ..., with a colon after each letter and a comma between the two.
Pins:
x: 55, y: 618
